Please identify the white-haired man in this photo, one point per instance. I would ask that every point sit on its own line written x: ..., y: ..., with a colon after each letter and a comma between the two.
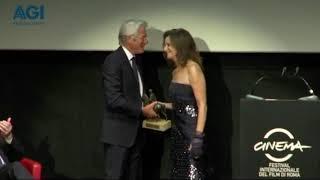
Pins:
x: 124, y: 110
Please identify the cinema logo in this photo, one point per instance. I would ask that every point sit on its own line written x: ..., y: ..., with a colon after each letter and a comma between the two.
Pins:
x: 279, y: 146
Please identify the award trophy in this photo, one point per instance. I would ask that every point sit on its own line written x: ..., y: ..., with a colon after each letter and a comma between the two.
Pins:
x: 159, y: 124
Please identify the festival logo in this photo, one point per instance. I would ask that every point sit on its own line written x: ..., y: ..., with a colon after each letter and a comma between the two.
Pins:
x: 279, y: 152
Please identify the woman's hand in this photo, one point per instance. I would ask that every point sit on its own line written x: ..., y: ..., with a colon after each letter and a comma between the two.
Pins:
x: 196, y: 147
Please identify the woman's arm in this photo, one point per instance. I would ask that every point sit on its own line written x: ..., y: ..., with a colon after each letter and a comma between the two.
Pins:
x: 167, y: 105
x: 198, y: 84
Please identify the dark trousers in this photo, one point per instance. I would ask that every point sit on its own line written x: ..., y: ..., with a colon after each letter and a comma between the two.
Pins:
x: 123, y: 163
x: 152, y: 153
x: 14, y: 171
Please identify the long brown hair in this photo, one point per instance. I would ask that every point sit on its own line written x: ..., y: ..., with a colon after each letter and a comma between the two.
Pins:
x: 182, y: 40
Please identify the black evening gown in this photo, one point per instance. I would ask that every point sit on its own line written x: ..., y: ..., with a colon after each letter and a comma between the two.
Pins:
x: 185, y: 113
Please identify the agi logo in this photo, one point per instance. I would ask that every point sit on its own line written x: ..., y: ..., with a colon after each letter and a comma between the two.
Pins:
x: 279, y: 146
x: 29, y: 15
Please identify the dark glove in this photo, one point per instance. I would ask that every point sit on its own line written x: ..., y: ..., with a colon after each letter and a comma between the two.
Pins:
x: 197, y: 145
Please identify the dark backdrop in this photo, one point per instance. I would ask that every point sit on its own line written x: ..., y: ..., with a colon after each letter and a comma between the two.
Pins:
x: 56, y: 101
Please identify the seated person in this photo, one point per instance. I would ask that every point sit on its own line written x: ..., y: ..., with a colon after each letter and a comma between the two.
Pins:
x: 10, y: 154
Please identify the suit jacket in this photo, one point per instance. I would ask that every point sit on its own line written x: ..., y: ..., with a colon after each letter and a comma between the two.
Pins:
x: 122, y: 112
x: 11, y: 152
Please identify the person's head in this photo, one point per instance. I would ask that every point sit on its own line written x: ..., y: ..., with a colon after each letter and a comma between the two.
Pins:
x: 133, y: 36
x: 179, y: 47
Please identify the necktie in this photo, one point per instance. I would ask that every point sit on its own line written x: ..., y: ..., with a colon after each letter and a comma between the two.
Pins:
x: 137, y: 74
x: 135, y: 68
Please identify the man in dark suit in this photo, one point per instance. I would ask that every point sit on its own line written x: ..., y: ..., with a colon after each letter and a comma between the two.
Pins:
x: 10, y: 154
x: 124, y: 111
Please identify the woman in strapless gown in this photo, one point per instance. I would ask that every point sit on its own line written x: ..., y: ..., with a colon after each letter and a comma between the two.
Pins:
x: 187, y: 93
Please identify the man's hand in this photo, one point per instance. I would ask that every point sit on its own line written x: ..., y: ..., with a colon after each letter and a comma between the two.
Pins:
x: 6, y: 128
x: 148, y: 111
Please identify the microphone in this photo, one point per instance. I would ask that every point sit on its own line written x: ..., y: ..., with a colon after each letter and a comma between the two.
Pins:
x: 312, y: 96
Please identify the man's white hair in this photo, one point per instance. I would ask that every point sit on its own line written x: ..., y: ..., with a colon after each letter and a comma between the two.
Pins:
x: 130, y: 27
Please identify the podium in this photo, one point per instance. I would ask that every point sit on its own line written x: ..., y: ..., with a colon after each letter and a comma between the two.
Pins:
x: 279, y: 139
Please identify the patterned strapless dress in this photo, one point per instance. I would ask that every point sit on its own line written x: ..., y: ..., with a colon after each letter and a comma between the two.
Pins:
x: 185, y: 113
